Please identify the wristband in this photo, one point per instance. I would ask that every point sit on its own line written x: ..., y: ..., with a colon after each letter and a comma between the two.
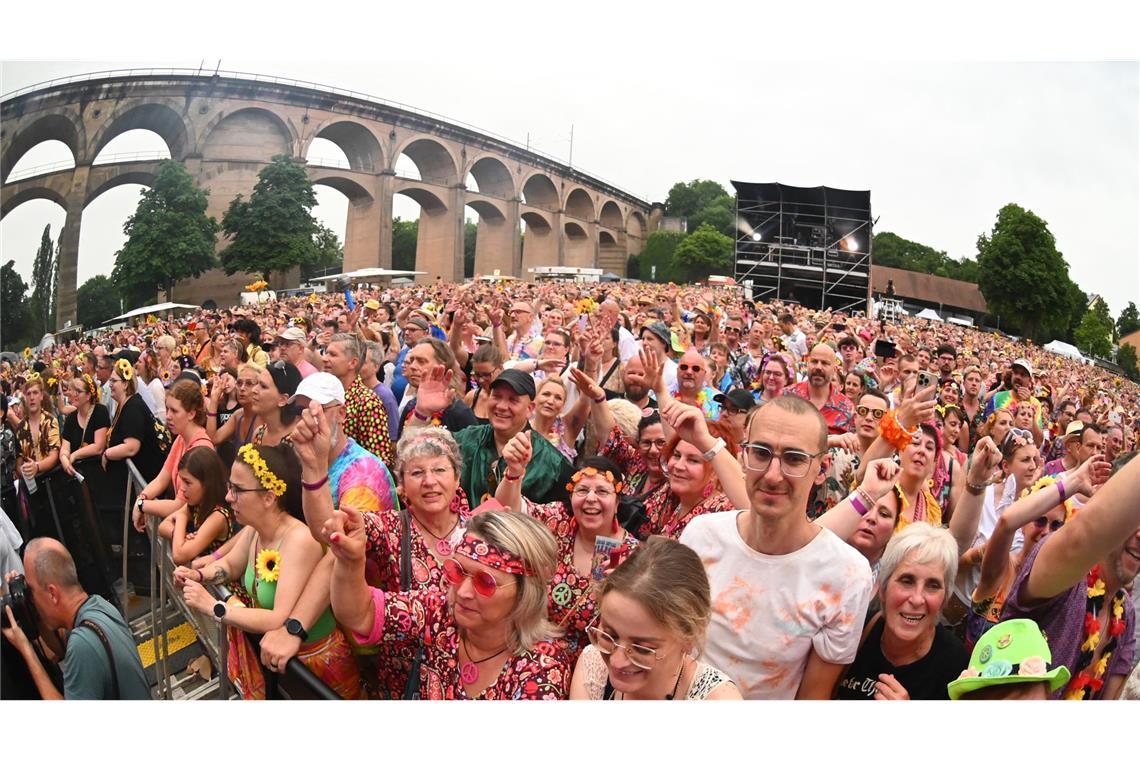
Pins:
x: 1061, y: 490
x: 215, y: 556
x: 314, y: 486
x: 507, y: 477
x: 211, y: 414
x: 717, y: 447
x: 601, y: 399
x: 975, y: 490
x: 861, y: 501
x: 420, y: 417
x: 201, y: 575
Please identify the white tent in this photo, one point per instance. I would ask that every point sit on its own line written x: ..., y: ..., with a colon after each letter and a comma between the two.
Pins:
x: 1064, y: 349
x: 964, y: 322
x: 930, y: 314
x: 144, y: 310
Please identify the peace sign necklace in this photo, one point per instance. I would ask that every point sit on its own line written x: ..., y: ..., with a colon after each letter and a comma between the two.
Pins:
x: 443, y: 545
x: 469, y: 673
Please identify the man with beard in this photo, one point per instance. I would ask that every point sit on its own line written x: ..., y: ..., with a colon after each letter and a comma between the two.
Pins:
x: 636, y: 388
x: 1065, y: 415
x: 1021, y: 373
x: 692, y: 384
x: 947, y: 359
x: 746, y: 372
x: 525, y: 340
x: 836, y: 408
x: 1073, y: 584
x: 847, y: 452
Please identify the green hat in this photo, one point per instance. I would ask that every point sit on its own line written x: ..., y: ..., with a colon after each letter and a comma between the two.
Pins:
x: 1013, y: 651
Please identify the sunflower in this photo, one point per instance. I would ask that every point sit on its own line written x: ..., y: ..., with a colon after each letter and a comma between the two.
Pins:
x: 268, y: 565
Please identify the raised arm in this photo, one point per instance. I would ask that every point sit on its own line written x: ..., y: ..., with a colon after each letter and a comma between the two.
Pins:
x: 985, y: 463
x: 689, y: 423
x: 844, y: 518
x: 915, y: 408
x: 311, y: 441
x: 517, y: 454
x: 352, y: 601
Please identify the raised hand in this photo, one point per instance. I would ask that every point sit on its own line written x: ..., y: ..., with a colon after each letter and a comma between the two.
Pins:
x: 344, y: 534
x: 653, y: 371
x: 434, y: 393
x: 587, y: 386
x: 880, y: 477
x: 689, y: 424
x: 1089, y: 476
x: 985, y: 465
x: 917, y: 407
x: 312, y: 438
x: 517, y: 453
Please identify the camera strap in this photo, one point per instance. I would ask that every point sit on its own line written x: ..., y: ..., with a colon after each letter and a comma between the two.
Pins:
x: 110, y: 657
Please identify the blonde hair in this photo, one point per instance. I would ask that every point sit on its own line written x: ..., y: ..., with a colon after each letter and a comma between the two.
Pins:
x: 551, y: 379
x: 626, y: 415
x: 249, y: 367
x: 669, y: 580
x: 167, y: 342
x: 528, y: 538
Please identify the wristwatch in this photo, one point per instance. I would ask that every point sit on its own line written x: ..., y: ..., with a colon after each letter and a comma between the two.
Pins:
x: 294, y: 628
x: 710, y: 455
x: 219, y: 610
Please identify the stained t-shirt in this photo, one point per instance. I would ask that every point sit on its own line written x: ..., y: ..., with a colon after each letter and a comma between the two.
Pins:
x: 925, y: 678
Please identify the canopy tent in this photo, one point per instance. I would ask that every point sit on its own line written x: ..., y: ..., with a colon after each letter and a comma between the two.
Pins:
x: 1064, y: 349
x: 609, y: 277
x: 930, y: 314
x: 961, y: 321
x: 142, y: 311
x: 368, y: 274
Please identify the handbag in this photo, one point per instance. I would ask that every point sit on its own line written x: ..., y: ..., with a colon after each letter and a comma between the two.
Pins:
x: 412, y: 690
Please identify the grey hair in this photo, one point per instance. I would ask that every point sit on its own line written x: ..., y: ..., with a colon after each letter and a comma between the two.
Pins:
x: 53, y: 563
x: 353, y: 346
x: 921, y: 543
x: 428, y: 441
x: 375, y: 352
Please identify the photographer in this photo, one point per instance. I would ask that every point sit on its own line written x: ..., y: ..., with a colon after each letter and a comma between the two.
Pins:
x: 100, y: 660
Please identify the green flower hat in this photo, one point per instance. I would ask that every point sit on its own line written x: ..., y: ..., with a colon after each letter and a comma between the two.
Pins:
x: 1013, y: 651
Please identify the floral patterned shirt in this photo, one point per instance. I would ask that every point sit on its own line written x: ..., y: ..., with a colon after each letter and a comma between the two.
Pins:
x: 661, y: 507
x: 46, y: 441
x: 571, y: 602
x: 838, y: 411
x: 366, y: 421
x: 406, y: 619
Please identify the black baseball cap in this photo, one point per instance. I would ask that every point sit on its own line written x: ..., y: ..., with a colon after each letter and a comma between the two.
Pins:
x: 520, y: 382
x: 738, y: 397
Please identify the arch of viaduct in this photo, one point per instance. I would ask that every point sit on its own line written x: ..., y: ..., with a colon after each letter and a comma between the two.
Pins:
x: 225, y: 129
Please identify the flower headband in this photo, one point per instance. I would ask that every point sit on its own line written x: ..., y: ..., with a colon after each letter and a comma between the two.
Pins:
x: 491, y: 556
x: 126, y: 371
x: 590, y: 472
x: 265, y: 476
x: 92, y: 386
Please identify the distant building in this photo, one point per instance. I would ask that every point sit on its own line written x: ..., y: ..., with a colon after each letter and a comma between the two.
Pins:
x: 678, y: 224
x: 917, y: 291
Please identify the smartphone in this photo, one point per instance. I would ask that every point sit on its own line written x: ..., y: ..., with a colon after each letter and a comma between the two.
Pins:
x: 604, y: 547
x: 926, y: 379
x: 839, y: 327
x: 885, y: 349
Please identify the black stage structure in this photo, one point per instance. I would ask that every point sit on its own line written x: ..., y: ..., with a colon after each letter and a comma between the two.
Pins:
x: 807, y: 245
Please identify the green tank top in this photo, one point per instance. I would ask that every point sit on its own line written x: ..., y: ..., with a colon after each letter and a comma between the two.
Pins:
x: 263, y: 593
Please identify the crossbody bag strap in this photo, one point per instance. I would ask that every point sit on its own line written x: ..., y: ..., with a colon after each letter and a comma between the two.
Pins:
x: 110, y: 656
x: 405, y: 550
x: 609, y: 372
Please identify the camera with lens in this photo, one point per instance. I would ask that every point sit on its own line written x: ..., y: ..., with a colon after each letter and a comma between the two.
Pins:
x: 19, y: 598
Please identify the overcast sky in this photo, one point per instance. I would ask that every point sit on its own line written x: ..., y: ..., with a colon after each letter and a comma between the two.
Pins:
x: 942, y: 146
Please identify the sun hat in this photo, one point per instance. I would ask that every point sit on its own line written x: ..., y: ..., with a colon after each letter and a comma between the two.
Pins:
x: 1012, y: 652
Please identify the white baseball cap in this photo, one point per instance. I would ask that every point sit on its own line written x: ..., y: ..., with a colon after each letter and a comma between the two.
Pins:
x: 321, y: 387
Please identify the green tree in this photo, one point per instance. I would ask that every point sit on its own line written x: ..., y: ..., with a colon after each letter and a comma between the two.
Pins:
x: 1129, y: 320
x: 169, y: 237
x: 1024, y: 278
x: 274, y: 230
x: 660, y: 250
x: 891, y: 250
x: 1100, y: 309
x: 328, y: 254
x: 633, y: 268
x: 704, y: 252
x: 1126, y: 360
x: 703, y: 201
x: 404, y: 234
x: 1093, y: 336
x: 43, y: 291
x: 15, y: 314
x: 470, y: 233
x: 96, y: 301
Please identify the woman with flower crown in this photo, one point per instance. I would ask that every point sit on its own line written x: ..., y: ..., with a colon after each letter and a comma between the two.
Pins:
x: 587, y: 532
x: 272, y: 558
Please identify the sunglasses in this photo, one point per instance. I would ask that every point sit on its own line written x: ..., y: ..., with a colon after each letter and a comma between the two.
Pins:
x: 690, y: 367
x: 1022, y: 436
x: 736, y: 330
x: 1054, y: 525
x: 863, y: 411
x: 484, y: 583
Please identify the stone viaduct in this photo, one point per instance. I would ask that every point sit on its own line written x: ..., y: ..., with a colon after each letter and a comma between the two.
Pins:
x: 226, y: 127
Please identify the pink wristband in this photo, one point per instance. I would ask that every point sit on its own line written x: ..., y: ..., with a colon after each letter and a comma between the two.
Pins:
x: 216, y: 556
x: 856, y: 502
x: 1061, y: 489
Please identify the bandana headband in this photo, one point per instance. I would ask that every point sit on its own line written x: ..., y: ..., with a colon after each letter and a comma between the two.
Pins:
x: 491, y: 556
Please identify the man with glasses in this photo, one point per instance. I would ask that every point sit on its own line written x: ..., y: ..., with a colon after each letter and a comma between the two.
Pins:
x: 789, y: 597
x: 947, y: 361
x: 847, y: 452
x: 851, y: 352
x: 693, y: 387
x: 415, y: 330
x: 292, y: 342
x: 820, y: 392
x: 733, y: 332
x: 366, y: 419
x: 525, y: 340
x: 734, y: 407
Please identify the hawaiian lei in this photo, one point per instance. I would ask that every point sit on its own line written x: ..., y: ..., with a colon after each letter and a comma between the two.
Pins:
x: 1083, y: 685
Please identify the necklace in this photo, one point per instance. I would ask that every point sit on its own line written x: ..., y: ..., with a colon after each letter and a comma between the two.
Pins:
x: 904, y: 504
x: 671, y: 695
x: 1083, y: 685
x: 469, y: 673
x: 442, y: 545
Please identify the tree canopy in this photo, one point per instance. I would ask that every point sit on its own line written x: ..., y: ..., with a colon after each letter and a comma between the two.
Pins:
x: 1023, y: 276
x: 169, y: 237
x: 703, y: 201
x: 15, y: 314
x: 1129, y: 320
x: 703, y: 252
x: 96, y: 301
x: 274, y: 230
x: 891, y: 250
x: 660, y: 249
x: 404, y: 243
x: 1126, y: 360
x: 1093, y: 336
x: 329, y: 254
x: 45, y: 272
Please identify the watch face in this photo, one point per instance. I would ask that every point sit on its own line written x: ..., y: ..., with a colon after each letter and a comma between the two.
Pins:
x: 219, y: 609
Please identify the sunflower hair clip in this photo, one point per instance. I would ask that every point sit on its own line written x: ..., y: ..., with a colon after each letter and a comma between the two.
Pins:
x: 586, y: 472
x: 265, y: 476
x: 126, y: 371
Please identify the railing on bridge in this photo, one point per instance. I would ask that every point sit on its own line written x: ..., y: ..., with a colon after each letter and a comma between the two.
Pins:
x: 101, y: 160
x: 328, y: 89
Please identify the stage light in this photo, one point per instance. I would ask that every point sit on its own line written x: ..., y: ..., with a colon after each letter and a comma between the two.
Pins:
x: 852, y: 244
x: 757, y: 237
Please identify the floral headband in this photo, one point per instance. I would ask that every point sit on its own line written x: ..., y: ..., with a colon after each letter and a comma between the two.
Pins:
x: 92, y: 386
x: 265, y: 476
x: 491, y: 556
x: 586, y: 472
x: 126, y: 371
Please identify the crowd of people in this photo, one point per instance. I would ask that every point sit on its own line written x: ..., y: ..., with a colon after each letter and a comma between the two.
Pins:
x: 610, y: 491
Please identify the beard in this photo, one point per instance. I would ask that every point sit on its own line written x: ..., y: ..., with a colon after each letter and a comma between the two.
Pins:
x: 636, y: 391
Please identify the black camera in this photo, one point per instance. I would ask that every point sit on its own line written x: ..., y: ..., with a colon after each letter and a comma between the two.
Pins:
x: 19, y: 598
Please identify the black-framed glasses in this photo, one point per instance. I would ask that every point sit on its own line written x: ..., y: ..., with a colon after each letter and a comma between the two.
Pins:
x: 1054, y: 525
x: 642, y: 657
x: 793, y: 462
x: 863, y: 411
x: 690, y: 367
x: 237, y: 490
x: 736, y: 330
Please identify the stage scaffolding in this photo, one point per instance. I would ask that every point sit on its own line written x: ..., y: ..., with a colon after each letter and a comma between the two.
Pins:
x: 808, y: 245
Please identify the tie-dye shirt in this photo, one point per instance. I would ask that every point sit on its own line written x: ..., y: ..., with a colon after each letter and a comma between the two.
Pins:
x: 769, y: 612
x: 359, y: 479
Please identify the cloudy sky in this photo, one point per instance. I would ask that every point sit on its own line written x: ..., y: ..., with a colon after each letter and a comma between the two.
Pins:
x: 942, y: 145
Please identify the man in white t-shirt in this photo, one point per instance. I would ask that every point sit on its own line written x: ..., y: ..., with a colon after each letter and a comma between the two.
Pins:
x: 788, y: 596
